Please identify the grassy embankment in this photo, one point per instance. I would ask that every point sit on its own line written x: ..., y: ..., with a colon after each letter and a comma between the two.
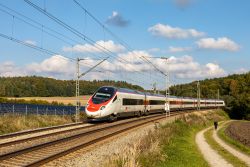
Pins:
x: 236, y: 144
x: 53, y: 100
x: 172, y: 144
x: 13, y: 123
x: 224, y: 153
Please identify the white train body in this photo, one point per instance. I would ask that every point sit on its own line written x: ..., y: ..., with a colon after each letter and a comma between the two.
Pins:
x: 118, y: 102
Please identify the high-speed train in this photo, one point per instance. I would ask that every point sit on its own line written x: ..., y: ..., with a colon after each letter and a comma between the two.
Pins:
x: 111, y: 102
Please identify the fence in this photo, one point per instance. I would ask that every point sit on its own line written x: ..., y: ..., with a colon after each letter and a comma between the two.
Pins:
x: 7, y: 108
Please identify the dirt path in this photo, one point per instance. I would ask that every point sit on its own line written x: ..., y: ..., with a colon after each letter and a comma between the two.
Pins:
x: 236, y: 153
x: 210, y: 155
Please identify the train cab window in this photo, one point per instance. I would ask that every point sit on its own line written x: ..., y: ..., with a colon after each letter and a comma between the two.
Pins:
x: 103, y: 95
x: 114, y: 99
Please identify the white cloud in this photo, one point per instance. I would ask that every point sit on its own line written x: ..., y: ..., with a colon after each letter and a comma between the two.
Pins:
x: 210, y: 70
x: 241, y: 71
x: 9, y: 69
x: 181, y: 67
x: 223, y: 43
x: 117, y: 20
x: 109, y: 45
x: 179, y: 49
x: 30, y: 42
x: 55, y: 65
x: 174, y: 32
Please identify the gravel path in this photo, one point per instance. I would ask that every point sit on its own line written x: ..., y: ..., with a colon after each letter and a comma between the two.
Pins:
x: 210, y: 155
x: 236, y: 153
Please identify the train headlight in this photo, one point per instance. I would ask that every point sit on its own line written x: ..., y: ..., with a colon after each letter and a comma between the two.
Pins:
x: 102, y: 108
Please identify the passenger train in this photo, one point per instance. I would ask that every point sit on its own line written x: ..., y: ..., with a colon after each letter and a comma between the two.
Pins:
x: 110, y: 103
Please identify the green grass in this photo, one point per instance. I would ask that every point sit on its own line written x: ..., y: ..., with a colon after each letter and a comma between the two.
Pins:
x: 178, y: 147
x: 182, y: 149
x: 235, y: 144
x: 220, y: 150
x: 12, y: 122
x: 170, y: 145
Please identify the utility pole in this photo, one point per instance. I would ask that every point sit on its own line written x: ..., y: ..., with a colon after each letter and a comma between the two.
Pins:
x: 167, y: 107
x: 154, y: 87
x: 78, y: 76
x: 167, y: 103
x: 198, y: 95
x: 218, y: 95
x: 77, y: 88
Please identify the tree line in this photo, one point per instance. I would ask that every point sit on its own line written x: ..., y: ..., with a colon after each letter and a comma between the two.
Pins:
x: 34, y: 86
x: 234, y: 89
x: 32, y: 101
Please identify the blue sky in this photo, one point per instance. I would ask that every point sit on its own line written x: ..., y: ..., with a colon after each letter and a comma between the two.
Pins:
x: 202, y: 39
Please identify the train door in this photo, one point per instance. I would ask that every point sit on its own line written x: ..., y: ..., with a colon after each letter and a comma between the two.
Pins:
x: 117, y: 103
x: 145, y: 103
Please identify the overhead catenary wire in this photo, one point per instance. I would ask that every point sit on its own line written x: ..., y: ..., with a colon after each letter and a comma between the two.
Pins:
x: 36, y: 22
x: 41, y: 49
x: 71, y: 29
x: 35, y: 47
x: 116, y: 37
x: 37, y: 27
x: 49, y: 52
x: 120, y: 40
x: 77, y: 33
x: 42, y: 28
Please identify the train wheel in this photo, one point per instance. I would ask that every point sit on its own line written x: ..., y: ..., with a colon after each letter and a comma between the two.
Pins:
x: 112, y: 118
x: 139, y: 114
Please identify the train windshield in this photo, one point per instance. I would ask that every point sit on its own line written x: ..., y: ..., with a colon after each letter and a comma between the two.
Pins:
x: 103, y: 95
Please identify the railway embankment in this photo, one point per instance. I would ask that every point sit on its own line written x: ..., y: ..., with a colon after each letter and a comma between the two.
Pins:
x: 168, y: 142
x: 10, y: 123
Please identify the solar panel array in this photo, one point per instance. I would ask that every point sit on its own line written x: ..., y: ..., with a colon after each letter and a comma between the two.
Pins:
x: 6, y: 108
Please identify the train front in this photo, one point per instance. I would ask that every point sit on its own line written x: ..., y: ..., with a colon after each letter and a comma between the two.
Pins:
x: 98, y: 104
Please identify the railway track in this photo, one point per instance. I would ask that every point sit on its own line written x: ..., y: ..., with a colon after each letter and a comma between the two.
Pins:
x: 37, y: 130
x: 65, y: 142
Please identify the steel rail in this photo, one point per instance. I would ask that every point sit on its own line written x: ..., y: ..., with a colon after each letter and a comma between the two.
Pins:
x: 65, y: 152
x: 38, y: 130
x: 46, y: 135
x: 47, y: 144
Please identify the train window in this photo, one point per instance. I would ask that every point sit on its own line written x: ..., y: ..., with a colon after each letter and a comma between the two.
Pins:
x: 188, y: 102
x: 173, y: 102
x: 156, y: 102
x: 132, y: 101
x: 114, y: 99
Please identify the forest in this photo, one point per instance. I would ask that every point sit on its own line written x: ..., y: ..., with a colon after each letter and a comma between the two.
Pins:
x: 234, y: 89
x: 34, y: 86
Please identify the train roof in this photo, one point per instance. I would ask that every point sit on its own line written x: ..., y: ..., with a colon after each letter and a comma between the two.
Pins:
x: 126, y: 90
